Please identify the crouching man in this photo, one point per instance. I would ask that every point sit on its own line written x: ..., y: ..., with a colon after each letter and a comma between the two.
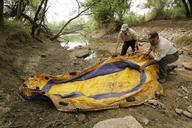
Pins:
x: 129, y: 38
x: 164, y: 53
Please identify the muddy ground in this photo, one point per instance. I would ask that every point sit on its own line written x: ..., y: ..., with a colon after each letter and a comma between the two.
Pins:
x: 22, y: 56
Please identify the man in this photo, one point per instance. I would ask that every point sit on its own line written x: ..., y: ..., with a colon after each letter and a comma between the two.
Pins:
x: 129, y: 37
x: 164, y: 53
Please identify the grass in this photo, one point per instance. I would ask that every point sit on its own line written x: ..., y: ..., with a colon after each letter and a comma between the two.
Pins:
x: 185, y: 40
x: 56, y: 25
x: 175, y: 13
x: 134, y: 20
x: 17, y: 24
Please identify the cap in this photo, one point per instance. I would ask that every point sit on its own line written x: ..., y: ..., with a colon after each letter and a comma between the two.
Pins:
x: 124, y: 27
x: 152, y: 35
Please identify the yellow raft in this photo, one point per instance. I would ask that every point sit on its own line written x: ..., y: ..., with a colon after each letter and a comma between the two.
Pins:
x: 112, y: 83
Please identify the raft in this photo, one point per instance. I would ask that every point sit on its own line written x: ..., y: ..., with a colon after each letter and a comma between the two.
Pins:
x: 112, y: 83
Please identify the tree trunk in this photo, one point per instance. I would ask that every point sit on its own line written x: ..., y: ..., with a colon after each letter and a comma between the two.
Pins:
x: 190, y: 5
x: 1, y: 11
x: 18, y: 14
x: 35, y: 25
x: 43, y: 16
x: 186, y: 8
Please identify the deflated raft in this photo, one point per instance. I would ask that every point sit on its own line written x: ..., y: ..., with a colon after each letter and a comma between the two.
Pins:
x: 112, y: 83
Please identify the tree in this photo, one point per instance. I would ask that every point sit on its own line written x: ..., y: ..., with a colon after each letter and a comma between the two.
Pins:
x: 120, y: 7
x: 32, y: 11
x: 107, y: 10
x: 1, y: 11
x: 39, y: 17
x: 20, y: 7
x: 157, y: 8
x: 188, y: 7
x: 82, y: 10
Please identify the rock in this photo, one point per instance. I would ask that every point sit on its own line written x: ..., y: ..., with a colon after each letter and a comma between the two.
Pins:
x: 182, y: 30
x: 178, y: 111
x: 185, y: 89
x: 189, y: 108
x: 153, y: 102
x: 157, y: 103
x: 83, y: 53
x: 145, y: 121
x: 179, y: 94
x: 187, y: 114
x: 126, y: 122
x: 187, y: 66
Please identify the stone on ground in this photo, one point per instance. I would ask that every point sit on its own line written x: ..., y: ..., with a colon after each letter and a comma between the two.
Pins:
x: 187, y: 114
x: 82, y: 53
x: 187, y: 66
x: 126, y: 122
x: 189, y: 108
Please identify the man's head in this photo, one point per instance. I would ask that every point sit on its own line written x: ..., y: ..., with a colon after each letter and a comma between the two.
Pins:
x: 153, y: 38
x: 124, y: 27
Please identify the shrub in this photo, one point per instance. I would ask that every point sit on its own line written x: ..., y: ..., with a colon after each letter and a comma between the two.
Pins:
x: 17, y: 24
x: 185, y: 40
x: 133, y: 19
x: 175, y: 13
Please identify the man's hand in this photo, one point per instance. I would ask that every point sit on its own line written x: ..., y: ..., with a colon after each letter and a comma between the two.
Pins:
x: 145, y: 55
x: 150, y: 62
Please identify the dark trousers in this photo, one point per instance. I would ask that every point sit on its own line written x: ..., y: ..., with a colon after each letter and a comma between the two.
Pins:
x: 126, y: 45
x: 163, y: 64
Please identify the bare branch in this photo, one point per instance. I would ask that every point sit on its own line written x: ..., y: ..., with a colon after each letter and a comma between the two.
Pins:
x: 27, y: 17
x: 70, y: 20
x: 79, y: 6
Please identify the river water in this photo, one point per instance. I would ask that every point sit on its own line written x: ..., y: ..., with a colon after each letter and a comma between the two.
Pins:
x: 78, y: 41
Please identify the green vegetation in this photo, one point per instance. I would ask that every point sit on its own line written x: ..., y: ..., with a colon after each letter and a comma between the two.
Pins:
x: 107, y: 11
x: 168, y: 9
x: 175, y: 13
x: 157, y: 8
x: 91, y: 25
x: 76, y: 25
x: 17, y: 24
x: 103, y: 14
x: 117, y: 12
x: 133, y: 19
x: 184, y: 40
x: 55, y: 25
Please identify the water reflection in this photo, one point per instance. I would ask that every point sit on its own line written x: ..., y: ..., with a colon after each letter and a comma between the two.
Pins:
x: 78, y: 42
x: 72, y: 41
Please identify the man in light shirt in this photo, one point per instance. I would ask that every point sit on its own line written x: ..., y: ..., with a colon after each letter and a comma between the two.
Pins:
x: 164, y: 53
x: 129, y: 37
